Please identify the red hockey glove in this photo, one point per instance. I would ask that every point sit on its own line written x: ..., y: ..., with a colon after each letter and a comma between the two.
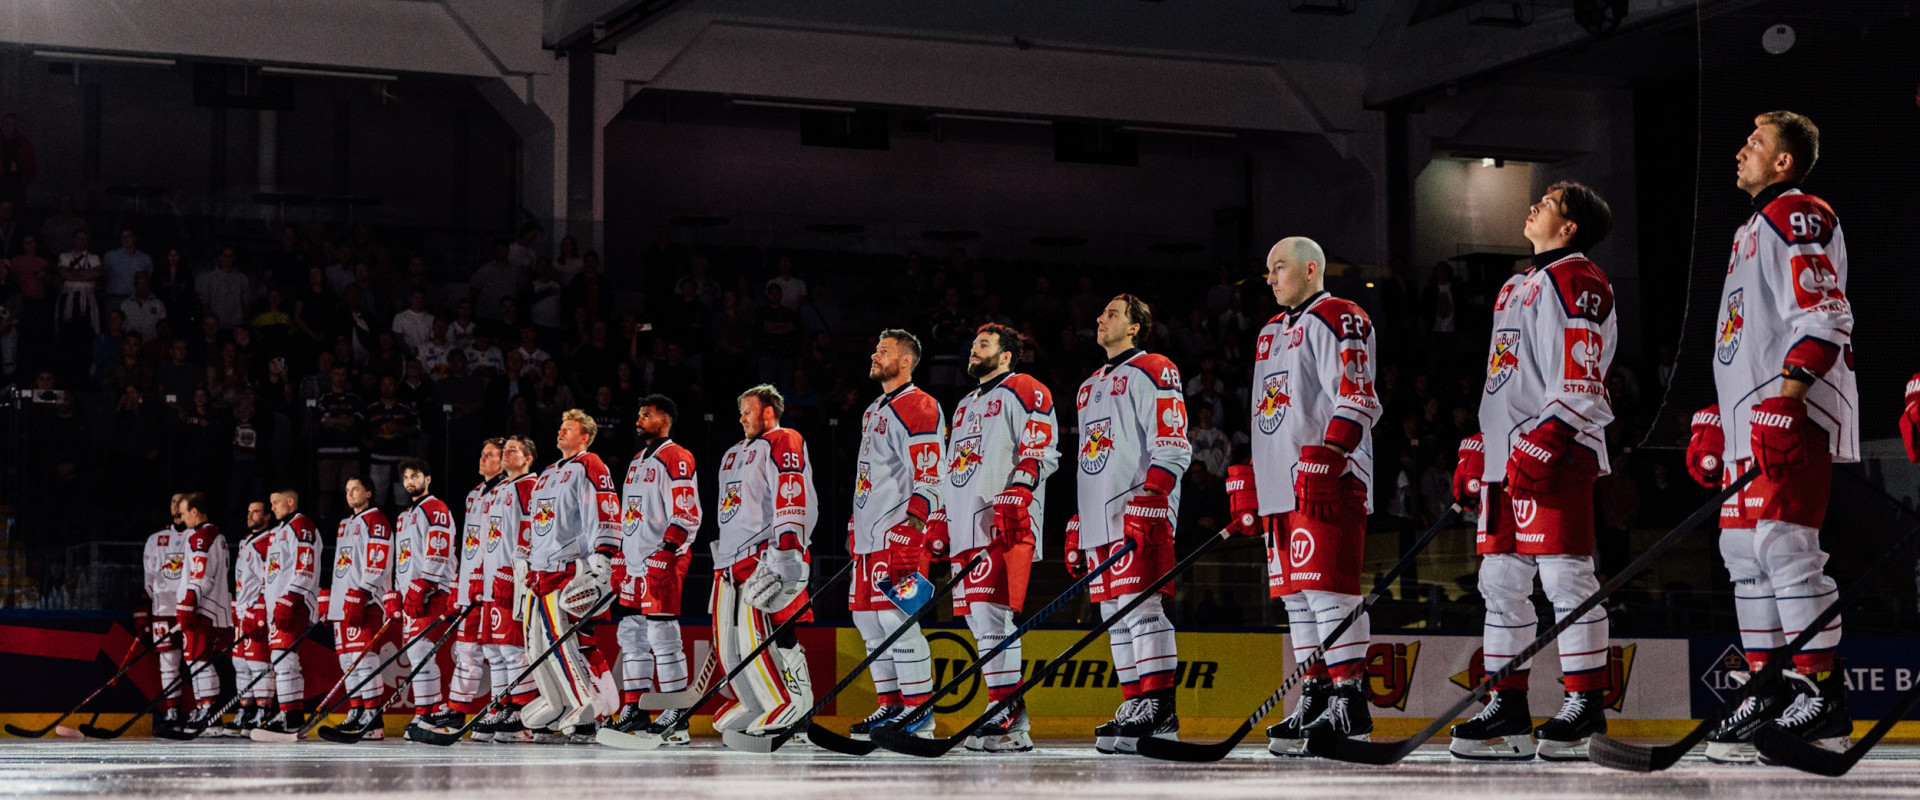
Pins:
x: 1538, y: 458
x: 286, y: 612
x: 849, y: 536
x: 1243, y: 501
x: 1779, y: 435
x: 937, y: 542
x: 1468, y: 472
x: 1706, y: 447
x: 354, y: 613
x: 906, y: 551
x: 1148, y: 520
x: 1316, y: 481
x: 1910, y: 420
x: 390, y: 603
x: 143, y: 619
x: 189, y: 603
x: 1013, y: 514
x: 255, y: 620
x: 1075, y: 559
x: 620, y: 574
x: 659, y: 567
x: 419, y: 596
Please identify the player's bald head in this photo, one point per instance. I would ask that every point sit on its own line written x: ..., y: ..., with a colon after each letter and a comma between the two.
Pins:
x: 1301, y: 249
x: 1296, y: 269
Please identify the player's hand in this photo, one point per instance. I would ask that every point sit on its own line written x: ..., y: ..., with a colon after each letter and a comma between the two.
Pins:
x: 390, y: 602
x: 1316, y: 481
x: 659, y: 566
x: 1910, y: 419
x: 1148, y: 520
x: 354, y: 613
x: 906, y: 550
x: 1779, y: 435
x: 1013, y: 513
x: 142, y: 620
x: 257, y: 618
x: 285, y: 613
x: 1076, y: 560
x: 189, y: 603
x: 1468, y: 471
x: 937, y: 541
x: 419, y: 593
x: 1243, y: 501
x: 1539, y: 457
x: 1706, y: 447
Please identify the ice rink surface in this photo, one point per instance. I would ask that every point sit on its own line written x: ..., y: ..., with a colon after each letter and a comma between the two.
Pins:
x: 313, y: 769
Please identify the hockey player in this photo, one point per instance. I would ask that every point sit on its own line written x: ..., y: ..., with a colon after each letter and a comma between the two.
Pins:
x: 1133, y: 451
x: 204, y: 604
x: 1543, y: 418
x: 1783, y: 376
x: 423, y: 587
x: 896, y: 487
x: 508, y: 524
x: 660, y: 517
x: 466, y: 691
x: 164, y: 562
x: 1310, y: 485
x: 250, y: 624
x: 292, y: 586
x: 362, y: 577
x: 574, y: 537
x: 767, y: 513
x: 1000, y: 450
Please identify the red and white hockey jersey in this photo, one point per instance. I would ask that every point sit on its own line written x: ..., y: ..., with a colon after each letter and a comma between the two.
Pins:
x: 660, y: 492
x: 1554, y: 335
x: 511, y: 536
x: 897, y: 475
x: 362, y: 559
x: 164, y: 561
x: 207, y: 564
x: 576, y: 511
x: 250, y: 576
x: 766, y: 492
x: 292, y: 571
x: 473, y: 579
x: 1784, y: 304
x: 423, y: 545
x: 1313, y: 384
x: 1003, y: 433
x: 1133, y: 436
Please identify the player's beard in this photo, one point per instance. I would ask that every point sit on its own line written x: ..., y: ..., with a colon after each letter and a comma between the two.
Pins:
x: 980, y: 369
x: 883, y: 372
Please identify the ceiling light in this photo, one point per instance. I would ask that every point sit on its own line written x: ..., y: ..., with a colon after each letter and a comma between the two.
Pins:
x: 794, y: 106
x: 327, y: 73
x: 104, y: 58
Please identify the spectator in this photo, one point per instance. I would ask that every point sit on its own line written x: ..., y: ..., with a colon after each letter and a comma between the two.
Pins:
x: 223, y: 291
x: 793, y: 291
x: 193, y: 436
x: 614, y: 444
x: 107, y: 344
x: 521, y: 255
x: 468, y: 397
x: 228, y: 379
x: 507, y: 328
x: 1086, y: 304
x: 415, y: 324
x: 494, y: 281
x: 705, y: 288
x: 337, y: 447
x: 79, y: 273
x: 951, y: 333
x: 30, y: 271
x: 118, y: 268
x: 588, y: 290
x: 690, y: 322
x: 317, y: 313
x: 543, y: 309
x: 461, y: 330
x: 393, y: 430
x: 1210, y: 446
x: 288, y: 261
x: 778, y: 333
x: 340, y: 272
x: 143, y: 310
x: 627, y: 386
x: 551, y: 394
x: 130, y: 369
x: 593, y: 361
x: 675, y: 379
x: 57, y: 230
x: 530, y: 352
x: 274, y: 324
x: 1439, y: 304
x: 432, y: 355
x: 174, y: 285
x: 246, y: 436
x: 179, y: 375
x: 18, y: 166
x: 359, y: 327
x: 12, y: 307
x: 569, y: 262
x: 483, y: 359
x: 205, y: 347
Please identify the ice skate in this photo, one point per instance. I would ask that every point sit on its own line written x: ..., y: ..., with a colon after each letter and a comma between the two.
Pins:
x: 1564, y: 736
x: 1500, y: 732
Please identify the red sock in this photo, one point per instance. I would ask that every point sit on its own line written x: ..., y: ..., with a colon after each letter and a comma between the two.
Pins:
x: 891, y: 699
x: 1813, y: 663
x: 1757, y: 659
x: 630, y: 696
x: 1317, y: 671
x: 1517, y: 682
x: 1351, y: 670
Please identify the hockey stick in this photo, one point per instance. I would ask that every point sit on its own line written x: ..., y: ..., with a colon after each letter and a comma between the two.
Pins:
x: 91, y: 731
x: 1195, y: 752
x: 1785, y: 748
x: 182, y: 733
x: 644, y: 741
x: 1610, y: 752
x: 742, y: 741
x: 1383, y: 753
x: 662, y: 701
x: 895, y: 737
x: 339, y: 736
x: 326, y: 707
x: 847, y: 745
x: 127, y: 660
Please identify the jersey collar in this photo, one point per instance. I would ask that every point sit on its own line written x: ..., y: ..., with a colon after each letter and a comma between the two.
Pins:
x: 1293, y: 314
x: 1772, y: 193
x: 423, y: 499
x: 1546, y: 258
x: 888, y: 397
x: 1124, y: 357
x: 654, y: 447
x: 992, y: 384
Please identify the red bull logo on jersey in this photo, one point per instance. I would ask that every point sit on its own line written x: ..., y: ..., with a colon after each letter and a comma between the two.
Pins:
x: 729, y: 501
x: 171, y: 566
x: 1504, y: 361
x: 471, y: 542
x: 273, y: 564
x: 403, y: 556
x: 1727, y: 343
x: 343, y: 561
x: 862, y: 484
x: 1096, y: 445
x: 493, y: 533
x: 966, y: 460
x: 1274, y: 402
x: 543, y: 517
x: 631, y: 518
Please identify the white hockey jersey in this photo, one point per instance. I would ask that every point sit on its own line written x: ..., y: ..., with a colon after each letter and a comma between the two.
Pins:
x: 423, y: 545
x: 1312, y: 384
x: 1554, y: 336
x: 511, y: 536
x: 207, y: 563
x: 766, y: 492
x: 1784, y: 304
x: 897, y: 474
x: 250, y: 576
x: 1003, y: 433
x: 164, y: 561
x: 576, y: 511
x: 291, y: 569
x: 362, y: 559
x: 1133, y: 436
x: 660, y: 492
x: 474, y: 526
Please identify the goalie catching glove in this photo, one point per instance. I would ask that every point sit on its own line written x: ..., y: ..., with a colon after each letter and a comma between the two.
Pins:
x: 780, y: 578
x: 592, y: 581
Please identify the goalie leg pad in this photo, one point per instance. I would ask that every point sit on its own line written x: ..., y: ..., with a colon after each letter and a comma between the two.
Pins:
x: 732, y: 626
x: 1506, y: 583
x: 1753, y: 601
x: 1569, y: 581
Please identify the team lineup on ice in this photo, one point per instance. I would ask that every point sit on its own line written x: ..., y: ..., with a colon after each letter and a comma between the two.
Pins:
x: 515, y: 583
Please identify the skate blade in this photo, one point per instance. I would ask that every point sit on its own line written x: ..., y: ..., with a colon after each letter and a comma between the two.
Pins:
x: 1505, y: 748
x: 1288, y: 748
x: 973, y: 744
x: 1837, y: 744
x: 1550, y: 750
x: 1010, y: 743
x: 1105, y: 745
x: 1732, y: 753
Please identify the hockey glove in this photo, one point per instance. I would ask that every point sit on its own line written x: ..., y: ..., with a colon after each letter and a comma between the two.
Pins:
x: 1148, y: 520
x: 520, y: 589
x: 1910, y: 420
x: 1316, y: 481
x: 286, y: 613
x: 189, y: 603
x: 255, y: 620
x: 780, y: 577
x: 906, y: 551
x: 390, y: 603
x: 1468, y: 472
x: 1780, y: 440
x: 1013, y: 514
x: 1538, y: 458
x: 1706, y: 447
x: 143, y: 619
x: 1075, y: 559
x: 659, y: 567
x: 1243, y: 501
x: 419, y: 596
x: 937, y: 542
x: 355, y: 611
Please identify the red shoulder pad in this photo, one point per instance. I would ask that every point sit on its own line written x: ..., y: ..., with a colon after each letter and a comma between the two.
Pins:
x: 1583, y: 289
x: 1801, y: 219
x: 1347, y: 320
x: 596, y: 471
x: 918, y: 411
x: 1159, y: 369
x: 434, y: 504
x: 202, y: 538
x: 303, y: 528
x: 1033, y: 394
x: 377, y: 525
x: 679, y: 461
x: 785, y: 442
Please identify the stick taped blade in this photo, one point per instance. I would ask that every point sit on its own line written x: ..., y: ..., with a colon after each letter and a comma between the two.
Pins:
x: 892, y: 738
x: 1358, y: 752
x: 23, y: 733
x: 1190, y: 752
x: 844, y: 745
x: 262, y: 735
x: 1785, y: 748
x: 337, y: 736
x: 910, y: 594
x: 1610, y: 752
x: 628, y: 741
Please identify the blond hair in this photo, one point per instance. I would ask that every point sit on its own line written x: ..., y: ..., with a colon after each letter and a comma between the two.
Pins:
x: 586, y: 423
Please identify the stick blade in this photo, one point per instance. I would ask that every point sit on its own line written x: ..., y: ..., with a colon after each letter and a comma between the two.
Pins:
x: 15, y: 730
x: 176, y: 734
x: 1191, y: 752
x: 844, y: 745
x: 65, y: 732
x: 1357, y: 752
x: 1781, y: 747
x: 97, y: 732
x: 274, y: 737
x: 749, y: 743
x: 652, y: 701
x: 892, y: 738
x: 336, y: 735
x: 1613, y: 753
x: 620, y: 740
